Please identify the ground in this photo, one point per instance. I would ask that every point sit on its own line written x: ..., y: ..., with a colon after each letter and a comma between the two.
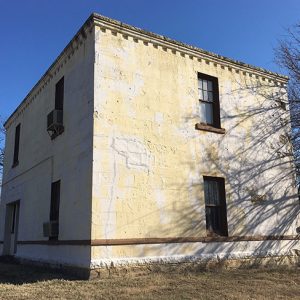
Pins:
x: 25, y: 282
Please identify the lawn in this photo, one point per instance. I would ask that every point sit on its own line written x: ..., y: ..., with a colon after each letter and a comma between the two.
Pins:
x: 25, y: 282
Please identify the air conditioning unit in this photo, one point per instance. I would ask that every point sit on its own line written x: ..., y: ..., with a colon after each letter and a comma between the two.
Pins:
x: 55, y: 123
x: 51, y: 229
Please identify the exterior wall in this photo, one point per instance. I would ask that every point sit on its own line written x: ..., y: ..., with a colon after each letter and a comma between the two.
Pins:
x: 132, y: 255
x: 42, y: 161
x: 131, y: 162
x: 71, y: 255
x: 149, y: 160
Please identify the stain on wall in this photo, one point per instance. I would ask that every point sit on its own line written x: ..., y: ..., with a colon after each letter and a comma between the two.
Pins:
x: 153, y: 159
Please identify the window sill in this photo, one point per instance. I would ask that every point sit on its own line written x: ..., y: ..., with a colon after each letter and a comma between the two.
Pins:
x: 205, y: 127
x: 213, y: 236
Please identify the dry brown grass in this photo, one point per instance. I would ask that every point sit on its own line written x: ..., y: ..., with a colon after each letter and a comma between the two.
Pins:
x: 25, y: 282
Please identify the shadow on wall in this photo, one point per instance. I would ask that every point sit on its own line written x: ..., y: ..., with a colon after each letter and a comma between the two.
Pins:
x: 255, y: 157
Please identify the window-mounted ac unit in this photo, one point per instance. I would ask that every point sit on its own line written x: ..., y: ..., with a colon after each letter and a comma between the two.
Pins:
x: 55, y: 123
x: 50, y: 229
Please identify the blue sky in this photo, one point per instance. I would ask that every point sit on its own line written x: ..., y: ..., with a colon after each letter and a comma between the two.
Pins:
x: 33, y: 32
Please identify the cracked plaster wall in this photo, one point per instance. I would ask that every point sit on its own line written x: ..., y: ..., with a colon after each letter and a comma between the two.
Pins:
x: 149, y: 160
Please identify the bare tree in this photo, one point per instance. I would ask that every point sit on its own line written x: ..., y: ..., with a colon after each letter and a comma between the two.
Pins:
x: 288, y: 57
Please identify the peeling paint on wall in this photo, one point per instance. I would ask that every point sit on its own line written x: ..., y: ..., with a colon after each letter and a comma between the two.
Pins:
x: 134, y: 151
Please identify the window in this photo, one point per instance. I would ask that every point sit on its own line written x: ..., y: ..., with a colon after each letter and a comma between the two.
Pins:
x: 55, y: 125
x: 17, y: 145
x: 209, y: 108
x: 54, y: 207
x: 13, y: 218
x: 59, y: 94
x: 215, y: 206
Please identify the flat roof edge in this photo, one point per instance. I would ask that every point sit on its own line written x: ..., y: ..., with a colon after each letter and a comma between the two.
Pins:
x: 119, y: 26
x: 178, y: 43
x: 47, y: 73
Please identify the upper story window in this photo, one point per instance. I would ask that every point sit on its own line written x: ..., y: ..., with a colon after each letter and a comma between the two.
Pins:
x: 59, y: 94
x: 209, y: 100
x: 55, y: 125
x: 17, y: 146
x: 209, y: 107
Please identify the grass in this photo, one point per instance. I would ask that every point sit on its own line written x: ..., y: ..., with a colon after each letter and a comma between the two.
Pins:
x: 26, y: 282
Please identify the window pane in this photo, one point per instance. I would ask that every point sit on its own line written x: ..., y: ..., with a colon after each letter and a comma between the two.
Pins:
x: 202, y: 112
x: 208, y: 113
x: 212, y: 195
x: 213, y: 222
x: 210, y: 96
x: 215, y: 197
x: 209, y: 219
x: 205, y: 96
x: 205, y: 85
x: 209, y: 86
x: 200, y: 84
x: 200, y: 94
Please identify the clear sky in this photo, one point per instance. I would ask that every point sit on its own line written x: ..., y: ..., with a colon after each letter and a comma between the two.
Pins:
x: 34, y: 32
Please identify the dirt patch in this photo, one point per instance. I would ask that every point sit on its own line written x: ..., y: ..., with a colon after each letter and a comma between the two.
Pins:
x: 26, y: 282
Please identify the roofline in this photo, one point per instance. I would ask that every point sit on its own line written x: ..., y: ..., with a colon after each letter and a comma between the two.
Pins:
x: 81, y: 31
x: 97, y: 19
x: 121, y: 26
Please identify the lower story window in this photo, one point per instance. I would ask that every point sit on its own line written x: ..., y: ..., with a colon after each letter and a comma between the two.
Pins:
x: 215, y: 206
x: 54, y: 210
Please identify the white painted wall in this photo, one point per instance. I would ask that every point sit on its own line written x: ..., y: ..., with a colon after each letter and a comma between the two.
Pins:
x: 42, y: 161
x: 199, y: 252
x: 78, y: 256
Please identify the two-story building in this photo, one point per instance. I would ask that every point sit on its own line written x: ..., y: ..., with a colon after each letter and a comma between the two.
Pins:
x: 134, y: 149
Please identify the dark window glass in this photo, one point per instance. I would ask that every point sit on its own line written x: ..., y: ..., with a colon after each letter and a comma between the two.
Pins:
x: 13, y: 219
x: 55, y: 200
x: 54, y: 210
x: 59, y: 94
x: 215, y: 206
x: 17, y: 145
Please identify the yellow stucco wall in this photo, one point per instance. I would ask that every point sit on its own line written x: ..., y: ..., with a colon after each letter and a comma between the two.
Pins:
x: 149, y: 160
x: 132, y: 163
